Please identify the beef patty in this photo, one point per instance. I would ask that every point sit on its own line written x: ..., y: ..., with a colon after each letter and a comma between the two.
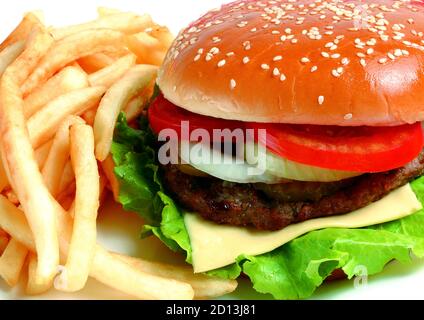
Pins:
x: 273, y: 207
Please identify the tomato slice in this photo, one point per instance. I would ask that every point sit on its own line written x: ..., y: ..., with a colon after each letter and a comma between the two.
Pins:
x: 163, y: 114
x: 358, y: 149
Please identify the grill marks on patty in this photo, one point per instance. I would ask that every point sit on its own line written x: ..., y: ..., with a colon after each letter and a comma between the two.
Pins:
x: 274, y: 207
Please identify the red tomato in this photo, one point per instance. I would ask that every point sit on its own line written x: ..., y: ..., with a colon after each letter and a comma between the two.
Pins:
x: 359, y: 149
x: 163, y: 114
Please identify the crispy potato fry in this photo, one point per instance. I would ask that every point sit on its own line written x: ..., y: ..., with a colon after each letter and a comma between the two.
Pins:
x: 95, y: 62
x: 11, y: 196
x: 68, y: 177
x: 123, y: 22
x: 67, y: 80
x: 148, y: 49
x: 70, y: 49
x: 13, y: 221
x: 83, y: 241
x: 117, y: 97
x: 33, y: 286
x: 4, y: 180
x: 108, y: 167
x: 42, y: 153
x: 104, y: 11
x: 109, y: 75
x: 106, y: 268
x: 29, y: 23
x: 9, y: 54
x: 4, y: 240
x: 43, y: 125
x: 205, y: 287
x: 126, y: 278
x: 12, y: 261
x: 135, y: 107
x: 89, y: 116
x: 17, y: 151
x: 58, y: 155
x: 162, y: 34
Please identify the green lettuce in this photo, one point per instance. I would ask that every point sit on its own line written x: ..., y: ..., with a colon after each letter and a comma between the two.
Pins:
x: 292, y: 271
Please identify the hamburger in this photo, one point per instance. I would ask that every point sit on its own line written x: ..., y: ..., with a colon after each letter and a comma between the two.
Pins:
x: 325, y: 101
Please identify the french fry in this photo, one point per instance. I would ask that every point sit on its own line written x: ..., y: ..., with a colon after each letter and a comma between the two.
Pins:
x: 135, y: 107
x: 34, y: 287
x: 12, y: 261
x: 109, y: 75
x: 104, y: 11
x: 11, y: 196
x: 117, y: 97
x: 43, y: 125
x: 13, y: 221
x: 106, y: 268
x: 29, y: 23
x: 123, y: 22
x: 21, y: 163
x: 69, y: 49
x: 58, y: 155
x: 42, y: 153
x: 4, y: 180
x: 95, y: 62
x: 205, y: 287
x: 148, y: 49
x: 83, y: 241
x: 9, y: 54
x: 162, y: 34
x: 89, y: 116
x: 68, y: 177
x: 108, y: 167
x: 4, y: 240
x: 67, y: 80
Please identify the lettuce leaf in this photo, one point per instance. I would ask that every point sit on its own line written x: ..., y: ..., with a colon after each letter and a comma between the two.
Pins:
x: 292, y: 271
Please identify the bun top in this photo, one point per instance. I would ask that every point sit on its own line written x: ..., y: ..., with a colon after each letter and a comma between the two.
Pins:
x: 319, y: 62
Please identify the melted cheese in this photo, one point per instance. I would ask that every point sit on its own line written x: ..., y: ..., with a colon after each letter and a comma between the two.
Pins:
x: 215, y: 246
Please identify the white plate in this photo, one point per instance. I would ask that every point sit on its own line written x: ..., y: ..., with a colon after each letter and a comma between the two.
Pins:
x: 120, y: 230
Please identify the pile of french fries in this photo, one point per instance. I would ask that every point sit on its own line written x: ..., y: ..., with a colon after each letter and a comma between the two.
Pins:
x: 61, y: 92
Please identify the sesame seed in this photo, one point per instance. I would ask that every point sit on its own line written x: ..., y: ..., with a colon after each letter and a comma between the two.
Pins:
x: 221, y: 63
x: 370, y: 51
x: 335, y: 56
x: 325, y: 54
x: 288, y: 30
x: 233, y: 84
x: 348, y: 116
x: 335, y: 73
x: 314, y: 68
x: 277, y: 58
x: 246, y: 60
x: 391, y: 56
x: 294, y: 41
x: 208, y: 57
x: 265, y: 66
x: 398, y: 53
x: 283, y: 77
x: 363, y: 62
x: 345, y: 61
x: 230, y: 54
x: 305, y: 60
x: 321, y: 100
x: 382, y: 60
x: 276, y: 72
x: 197, y: 57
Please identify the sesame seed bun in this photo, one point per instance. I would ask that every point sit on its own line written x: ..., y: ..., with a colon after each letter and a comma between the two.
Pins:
x: 319, y: 62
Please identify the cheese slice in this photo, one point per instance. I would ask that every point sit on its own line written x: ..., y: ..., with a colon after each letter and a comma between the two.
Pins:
x: 216, y: 246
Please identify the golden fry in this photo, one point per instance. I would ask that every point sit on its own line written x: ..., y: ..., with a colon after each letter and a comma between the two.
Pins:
x: 83, y: 241
x: 205, y: 287
x: 115, y: 99
x: 109, y: 75
x: 58, y: 155
x: 19, y: 158
x: 148, y: 49
x: 69, y: 49
x: 9, y: 54
x: 12, y: 261
x: 29, y: 23
x: 108, y: 167
x: 42, y: 153
x: 95, y: 62
x: 43, y: 125
x: 123, y: 22
x: 67, y: 80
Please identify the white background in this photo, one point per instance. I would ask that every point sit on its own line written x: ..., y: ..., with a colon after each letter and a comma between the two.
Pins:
x: 120, y: 231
